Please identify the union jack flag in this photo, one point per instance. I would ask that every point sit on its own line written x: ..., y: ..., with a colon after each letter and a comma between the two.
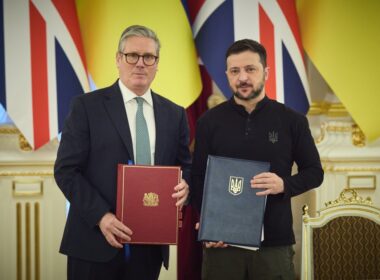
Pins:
x: 217, y: 24
x: 42, y: 65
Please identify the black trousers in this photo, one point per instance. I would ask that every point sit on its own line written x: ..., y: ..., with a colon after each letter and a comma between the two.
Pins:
x: 144, y: 263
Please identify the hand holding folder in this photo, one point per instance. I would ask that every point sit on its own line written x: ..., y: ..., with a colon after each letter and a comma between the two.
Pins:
x: 231, y: 210
x: 145, y: 203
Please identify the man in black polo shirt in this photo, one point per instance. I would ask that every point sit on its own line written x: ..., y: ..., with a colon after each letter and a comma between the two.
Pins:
x: 252, y: 126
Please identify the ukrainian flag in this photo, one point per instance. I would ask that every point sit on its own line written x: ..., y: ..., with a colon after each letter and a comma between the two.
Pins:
x: 342, y: 38
x: 102, y: 23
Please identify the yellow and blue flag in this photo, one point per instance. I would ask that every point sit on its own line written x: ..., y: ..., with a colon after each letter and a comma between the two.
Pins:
x: 342, y: 38
x: 102, y: 23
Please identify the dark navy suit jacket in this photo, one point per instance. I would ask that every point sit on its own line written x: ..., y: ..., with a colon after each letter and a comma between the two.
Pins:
x: 95, y: 138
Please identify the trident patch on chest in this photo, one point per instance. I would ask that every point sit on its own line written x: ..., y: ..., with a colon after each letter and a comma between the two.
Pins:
x: 273, y: 137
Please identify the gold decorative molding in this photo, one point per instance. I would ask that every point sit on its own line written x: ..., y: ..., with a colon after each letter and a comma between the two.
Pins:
x: 370, y: 183
x: 323, y: 133
x: 24, y: 144
x: 305, y: 244
x: 337, y: 110
x: 338, y: 128
x: 350, y: 203
x: 36, y: 241
x: 305, y: 210
x: 19, y: 241
x: 353, y: 198
x: 315, y: 109
x: 9, y: 130
x: 331, y: 168
x: 26, y: 173
x: 28, y: 188
x: 356, y: 161
x: 325, y: 127
x: 358, y: 137
x: 327, y: 108
x: 28, y: 259
x: 28, y: 164
x: 25, y: 272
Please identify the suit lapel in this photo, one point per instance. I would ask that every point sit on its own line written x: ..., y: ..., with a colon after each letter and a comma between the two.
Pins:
x: 115, y: 107
x: 161, y: 120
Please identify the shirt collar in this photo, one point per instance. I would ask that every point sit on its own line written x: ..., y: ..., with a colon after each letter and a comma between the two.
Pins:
x: 129, y: 95
x: 241, y: 108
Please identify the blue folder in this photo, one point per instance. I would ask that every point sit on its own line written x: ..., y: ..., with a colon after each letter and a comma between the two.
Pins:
x: 231, y: 210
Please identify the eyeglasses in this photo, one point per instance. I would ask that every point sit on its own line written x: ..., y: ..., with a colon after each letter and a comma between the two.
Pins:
x: 133, y: 58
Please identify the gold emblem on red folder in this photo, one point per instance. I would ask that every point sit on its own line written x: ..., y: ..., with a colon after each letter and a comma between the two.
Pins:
x: 151, y: 199
x: 236, y: 185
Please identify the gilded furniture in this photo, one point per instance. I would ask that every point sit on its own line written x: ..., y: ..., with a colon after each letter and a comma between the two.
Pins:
x: 343, y: 240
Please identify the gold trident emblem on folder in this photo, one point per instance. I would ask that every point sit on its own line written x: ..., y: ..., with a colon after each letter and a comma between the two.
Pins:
x: 236, y: 185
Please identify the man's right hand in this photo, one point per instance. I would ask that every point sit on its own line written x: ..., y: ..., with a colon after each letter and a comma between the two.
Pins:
x: 219, y: 244
x: 112, y: 228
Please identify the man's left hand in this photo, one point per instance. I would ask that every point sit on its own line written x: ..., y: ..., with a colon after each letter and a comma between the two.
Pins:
x: 181, y: 194
x: 270, y: 182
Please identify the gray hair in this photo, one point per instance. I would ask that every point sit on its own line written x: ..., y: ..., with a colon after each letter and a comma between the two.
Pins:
x: 139, y: 31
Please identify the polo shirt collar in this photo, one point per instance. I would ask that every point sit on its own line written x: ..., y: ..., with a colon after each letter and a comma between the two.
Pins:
x: 241, y: 109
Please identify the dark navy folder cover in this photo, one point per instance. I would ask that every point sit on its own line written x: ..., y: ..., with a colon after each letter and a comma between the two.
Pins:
x: 231, y: 210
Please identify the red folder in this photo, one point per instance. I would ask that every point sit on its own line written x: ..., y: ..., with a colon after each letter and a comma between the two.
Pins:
x: 145, y: 203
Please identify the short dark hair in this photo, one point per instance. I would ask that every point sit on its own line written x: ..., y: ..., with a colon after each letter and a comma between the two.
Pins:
x: 248, y: 45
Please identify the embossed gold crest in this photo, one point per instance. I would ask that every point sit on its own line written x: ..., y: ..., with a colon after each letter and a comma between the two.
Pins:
x: 236, y: 185
x: 151, y: 199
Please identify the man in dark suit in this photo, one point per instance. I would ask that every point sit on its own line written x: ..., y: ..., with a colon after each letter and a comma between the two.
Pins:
x: 99, y: 133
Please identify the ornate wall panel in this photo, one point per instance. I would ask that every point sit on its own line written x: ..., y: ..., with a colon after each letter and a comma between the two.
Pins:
x: 32, y: 211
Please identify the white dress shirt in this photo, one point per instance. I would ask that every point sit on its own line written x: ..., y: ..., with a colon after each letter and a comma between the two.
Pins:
x: 131, y: 108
